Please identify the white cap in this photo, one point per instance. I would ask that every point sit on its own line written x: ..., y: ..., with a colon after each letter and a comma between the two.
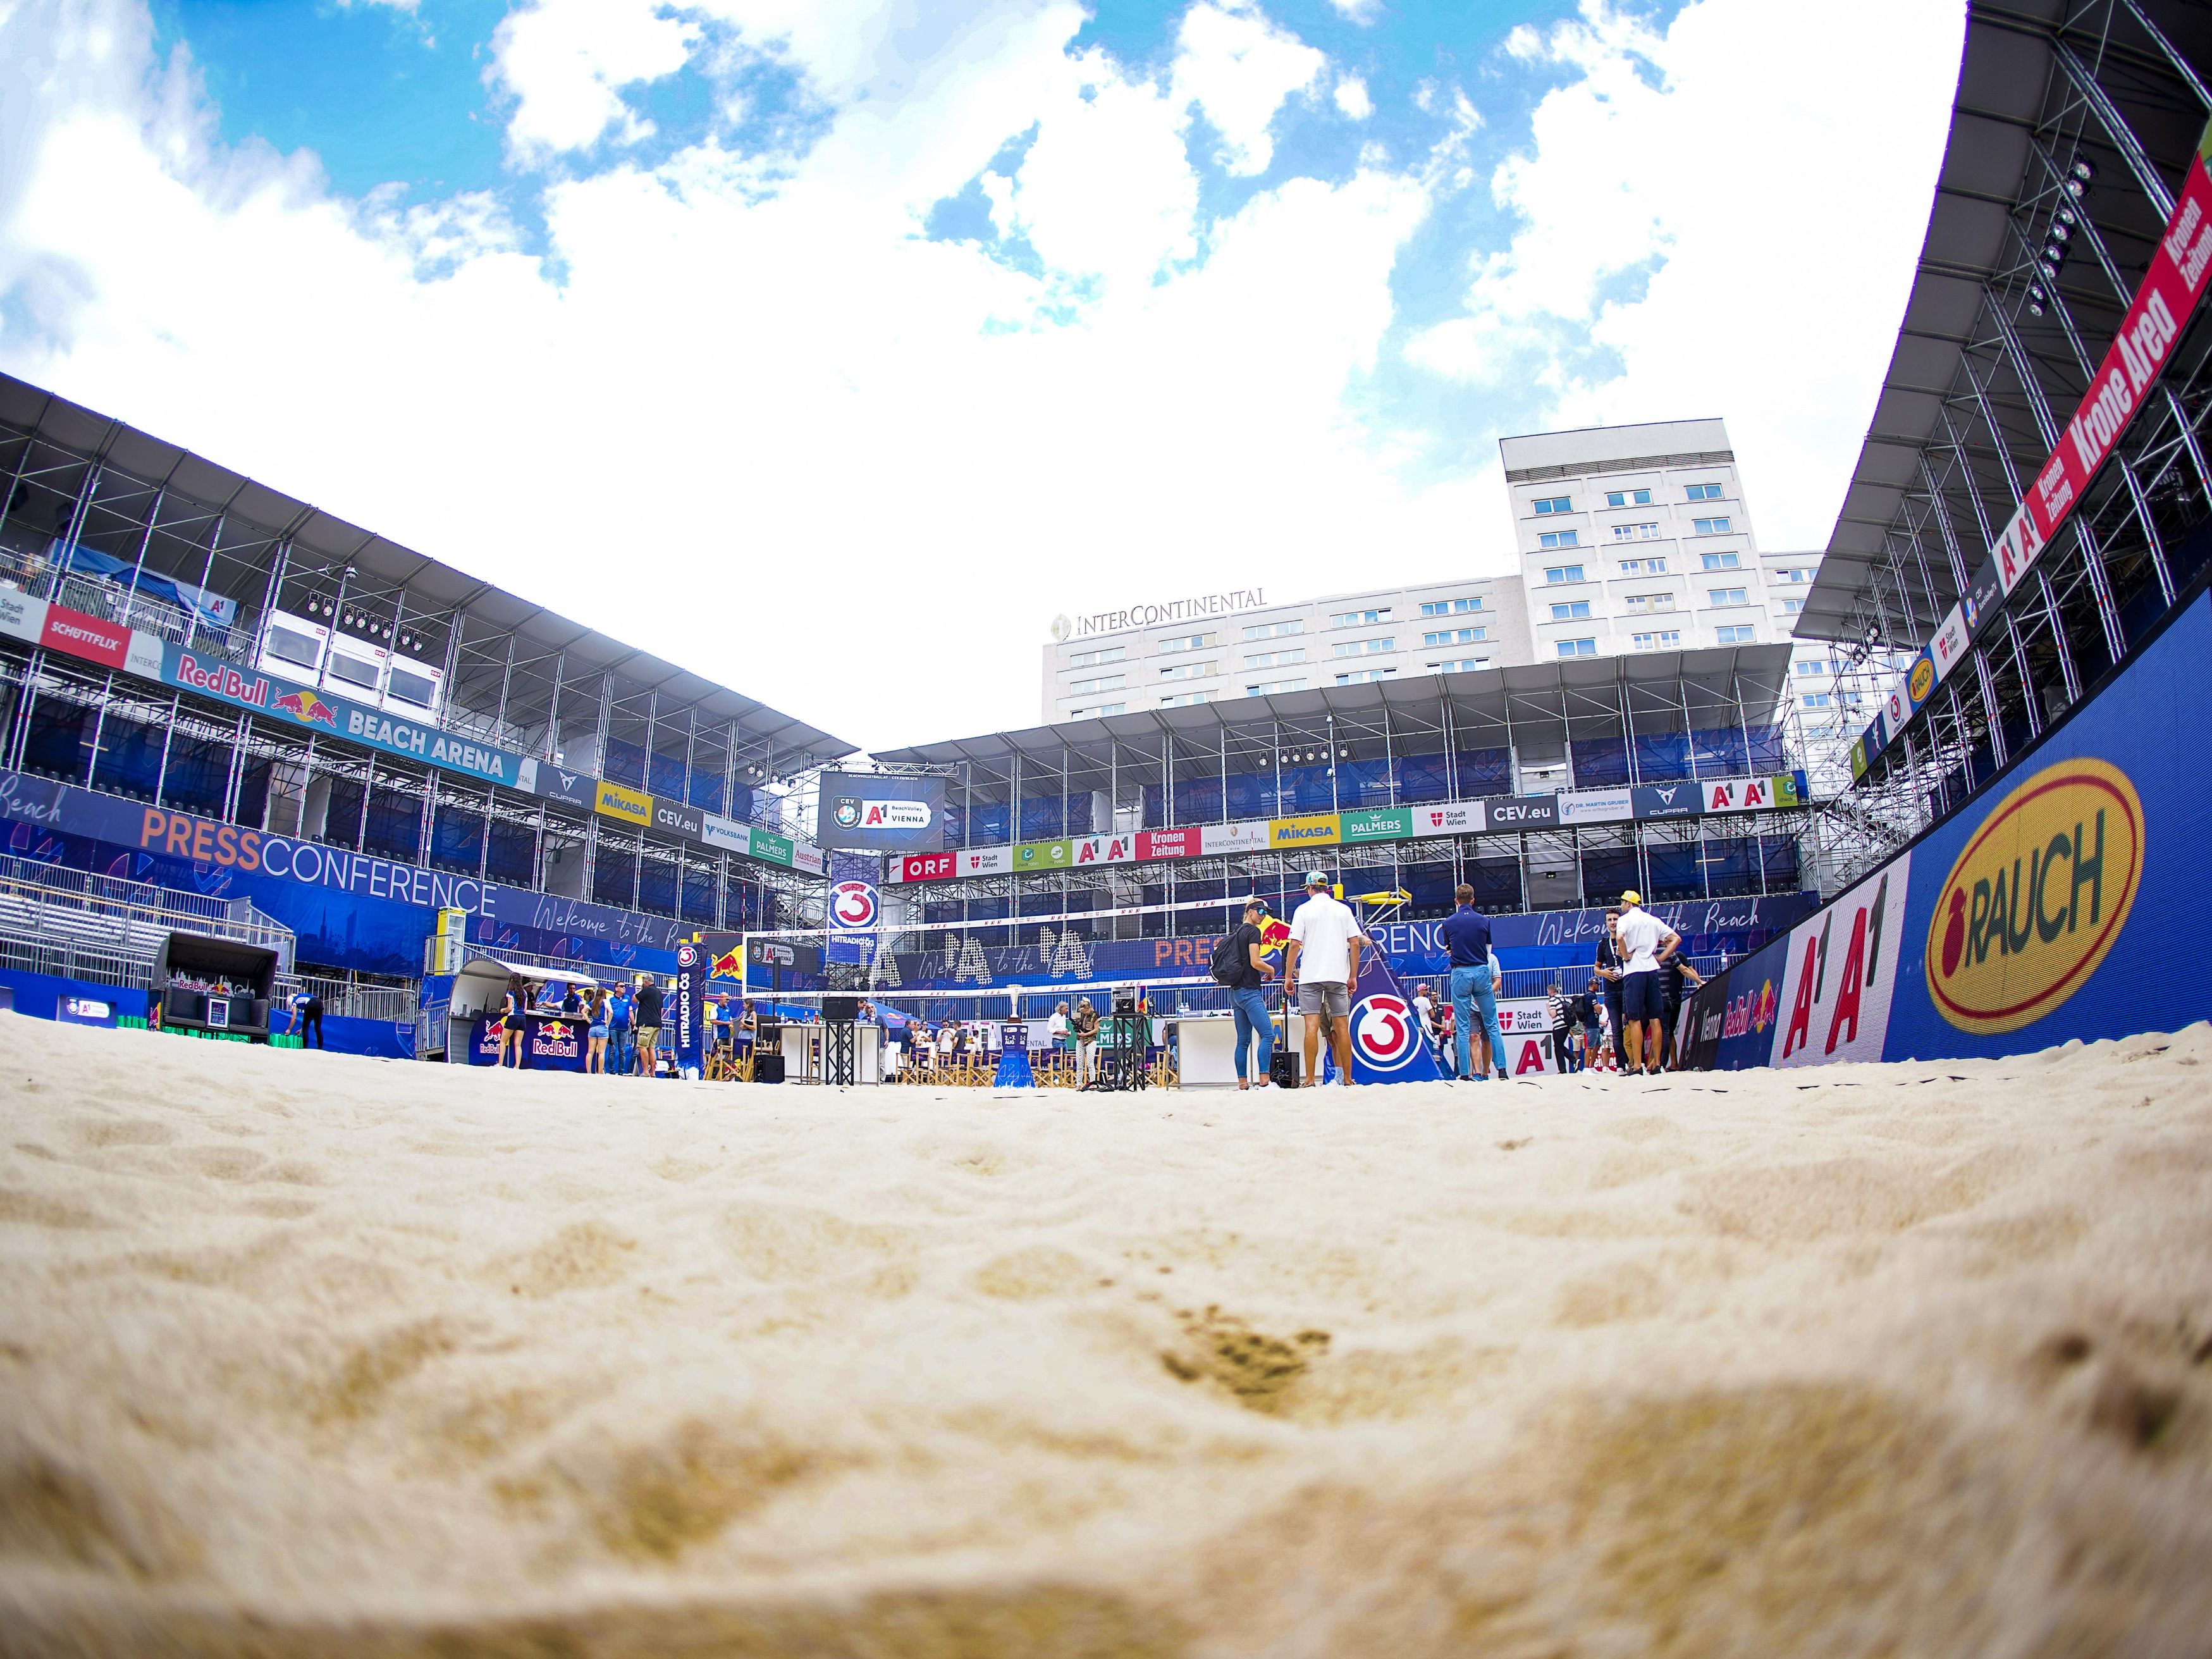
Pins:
x: 1315, y: 878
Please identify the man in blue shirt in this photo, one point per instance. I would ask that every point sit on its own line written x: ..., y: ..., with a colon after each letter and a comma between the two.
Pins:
x: 1474, y: 982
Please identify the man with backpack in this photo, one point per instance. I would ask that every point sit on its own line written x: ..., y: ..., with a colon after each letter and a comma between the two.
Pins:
x: 1238, y: 964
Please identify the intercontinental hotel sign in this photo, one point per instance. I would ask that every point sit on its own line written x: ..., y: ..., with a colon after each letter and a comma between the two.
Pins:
x: 1154, y: 616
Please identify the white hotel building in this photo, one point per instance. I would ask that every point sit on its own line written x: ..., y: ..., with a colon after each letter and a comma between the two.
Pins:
x: 1631, y: 540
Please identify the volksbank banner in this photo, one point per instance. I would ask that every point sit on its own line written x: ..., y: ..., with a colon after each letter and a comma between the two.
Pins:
x: 1510, y: 816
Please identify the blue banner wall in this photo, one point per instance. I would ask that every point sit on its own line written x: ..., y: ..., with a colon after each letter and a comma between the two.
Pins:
x: 2059, y: 904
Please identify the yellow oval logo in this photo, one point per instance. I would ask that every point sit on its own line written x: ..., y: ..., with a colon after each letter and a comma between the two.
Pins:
x: 2036, y: 898
x: 1923, y: 680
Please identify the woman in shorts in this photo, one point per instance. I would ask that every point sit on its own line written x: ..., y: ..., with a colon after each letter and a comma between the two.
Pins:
x: 595, y: 1056
x: 512, y: 1024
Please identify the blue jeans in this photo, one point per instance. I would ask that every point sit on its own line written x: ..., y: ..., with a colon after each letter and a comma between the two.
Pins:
x: 1250, y: 1008
x: 618, y: 1050
x: 1473, y: 989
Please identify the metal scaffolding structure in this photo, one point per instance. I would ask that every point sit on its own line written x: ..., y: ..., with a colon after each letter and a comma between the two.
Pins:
x: 125, y: 528
x: 1601, y: 723
x: 2072, y: 123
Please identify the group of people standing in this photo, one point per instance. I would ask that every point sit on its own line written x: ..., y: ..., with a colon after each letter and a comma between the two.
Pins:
x: 622, y: 1026
x: 1634, y: 998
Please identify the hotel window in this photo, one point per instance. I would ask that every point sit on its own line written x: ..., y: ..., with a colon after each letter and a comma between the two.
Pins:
x: 1104, y: 683
x: 1572, y: 610
x: 1456, y: 636
x: 1092, y: 658
x: 1266, y: 687
x: 1721, y: 561
x: 1274, y: 658
x: 1578, y: 647
x: 1554, y: 574
x: 1184, y: 699
x: 1359, y: 618
x: 1628, y: 498
x: 1362, y: 648
x: 1188, y: 642
x: 1815, y: 700
x: 1791, y: 607
x: 1815, y: 666
x: 1553, y: 539
x: 1735, y: 636
x: 1710, y: 526
x: 1464, y: 665
x: 1276, y: 630
x: 1795, y: 574
x: 1727, y: 595
x: 1644, y: 567
x: 1190, y: 670
x: 1704, y: 492
x: 1364, y: 675
x: 1640, y: 602
x: 1556, y: 504
x: 1669, y: 641
x: 1451, y: 607
x: 1100, y: 712
x: 1636, y: 533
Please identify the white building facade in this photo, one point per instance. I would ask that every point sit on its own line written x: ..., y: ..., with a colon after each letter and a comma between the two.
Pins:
x: 1631, y: 540
x: 1237, y: 645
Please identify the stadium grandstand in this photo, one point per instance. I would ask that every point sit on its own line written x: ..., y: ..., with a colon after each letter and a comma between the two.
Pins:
x: 2071, y: 132
x: 220, y: 698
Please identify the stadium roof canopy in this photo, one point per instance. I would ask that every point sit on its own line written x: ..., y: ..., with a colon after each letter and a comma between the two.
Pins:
x: 1534, y: 708
x: 2043, y: 84
x: 314, y: 539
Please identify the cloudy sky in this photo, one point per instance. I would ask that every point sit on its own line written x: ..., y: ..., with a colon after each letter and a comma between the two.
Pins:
x: 832, y: 347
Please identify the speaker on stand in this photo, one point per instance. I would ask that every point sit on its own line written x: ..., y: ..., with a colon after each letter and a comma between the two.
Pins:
x: 840, y: 1060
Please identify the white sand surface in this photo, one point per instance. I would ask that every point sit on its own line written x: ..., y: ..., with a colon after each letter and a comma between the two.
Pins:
x: 303, y: 1355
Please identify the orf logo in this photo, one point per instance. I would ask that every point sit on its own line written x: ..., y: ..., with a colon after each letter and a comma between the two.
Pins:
x: 2037, y: 898
x: 852, y: 905
x: 1383, y: 1031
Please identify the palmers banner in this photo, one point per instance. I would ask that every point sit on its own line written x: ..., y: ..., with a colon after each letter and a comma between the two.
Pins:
x: 2061, y: 902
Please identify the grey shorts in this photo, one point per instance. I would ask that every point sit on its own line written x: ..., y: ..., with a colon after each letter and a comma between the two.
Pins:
x: 1317, y: 996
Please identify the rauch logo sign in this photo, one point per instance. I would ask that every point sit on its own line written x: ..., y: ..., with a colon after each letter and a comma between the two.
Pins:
x: 2037, y: 897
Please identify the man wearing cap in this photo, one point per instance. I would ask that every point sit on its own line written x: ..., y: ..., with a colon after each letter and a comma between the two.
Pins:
x: 1325, y: 941
x: 1645, y: 943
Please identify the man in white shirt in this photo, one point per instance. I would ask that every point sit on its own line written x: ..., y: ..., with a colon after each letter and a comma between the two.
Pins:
x: 1320, y: 966
x: 1056, y: 1027
x: 1645, y: 942
x: 1425, y: 1011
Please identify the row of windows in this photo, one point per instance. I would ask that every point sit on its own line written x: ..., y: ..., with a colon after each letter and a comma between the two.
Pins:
x: 1696, y: 492
x: 1451, y: 607
x: 1363, y: 647
x: 1455, y: 636
x: 1668, y: 641
x: 1190, y: 670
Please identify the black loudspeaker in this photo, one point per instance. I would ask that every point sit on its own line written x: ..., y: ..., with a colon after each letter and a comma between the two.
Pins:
x: 1283, y: 1068
x: 768, y: 1068
x: 845, y: 1009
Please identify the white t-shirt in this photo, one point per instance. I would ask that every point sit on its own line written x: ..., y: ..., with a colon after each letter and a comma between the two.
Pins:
x: 1323, y: 929
x: 1425, y: 1010
x: 1057, y: 1026
x: 1640, y: 933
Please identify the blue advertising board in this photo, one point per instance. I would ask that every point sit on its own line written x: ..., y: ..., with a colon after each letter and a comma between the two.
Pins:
x: 2056, y: 905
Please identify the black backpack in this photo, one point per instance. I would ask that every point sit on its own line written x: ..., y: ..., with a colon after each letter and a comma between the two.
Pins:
x: 1229, y: 964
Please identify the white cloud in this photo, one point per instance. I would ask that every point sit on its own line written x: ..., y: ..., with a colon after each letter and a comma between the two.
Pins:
x: 1238, y: 68
x: 1696, y: 236
x: 1352, y: 97
x: 1359, y: 11
x: 566, y: 61
x: 772, y: 434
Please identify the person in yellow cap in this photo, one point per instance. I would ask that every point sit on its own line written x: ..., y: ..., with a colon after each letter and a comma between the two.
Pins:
x: 1645, y: 942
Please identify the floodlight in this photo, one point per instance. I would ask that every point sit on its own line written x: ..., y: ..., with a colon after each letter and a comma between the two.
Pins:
x: 2084, y: 169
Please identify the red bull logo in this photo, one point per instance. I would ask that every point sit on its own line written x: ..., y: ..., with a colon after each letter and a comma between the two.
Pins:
x: 304, y: 705
x: 731, y: 964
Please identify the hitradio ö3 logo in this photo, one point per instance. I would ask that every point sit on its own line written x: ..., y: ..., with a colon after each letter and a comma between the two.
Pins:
x: 2037, y: 897
x: 1382, y: 1031
x: 852, y: 904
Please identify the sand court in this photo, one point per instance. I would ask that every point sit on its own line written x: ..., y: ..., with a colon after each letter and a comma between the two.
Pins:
x: 313, y: 1355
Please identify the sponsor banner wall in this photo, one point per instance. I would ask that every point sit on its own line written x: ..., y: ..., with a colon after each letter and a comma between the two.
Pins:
x: 1523, y: 812
x: 1248, y: 836
x: 1376, y: 823
x: 1597, y: 805
x: 1287, y: 833
x: 1525, y: 1022
x: 1169, y: 843
x: 1451, y: 817
x: 1667, y: 800
x: 631, y: 806
x: 983, y: 861
x: 2055, y: 905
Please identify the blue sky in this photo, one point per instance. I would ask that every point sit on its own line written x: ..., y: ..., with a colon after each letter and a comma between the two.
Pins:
x: 1001, y: 308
